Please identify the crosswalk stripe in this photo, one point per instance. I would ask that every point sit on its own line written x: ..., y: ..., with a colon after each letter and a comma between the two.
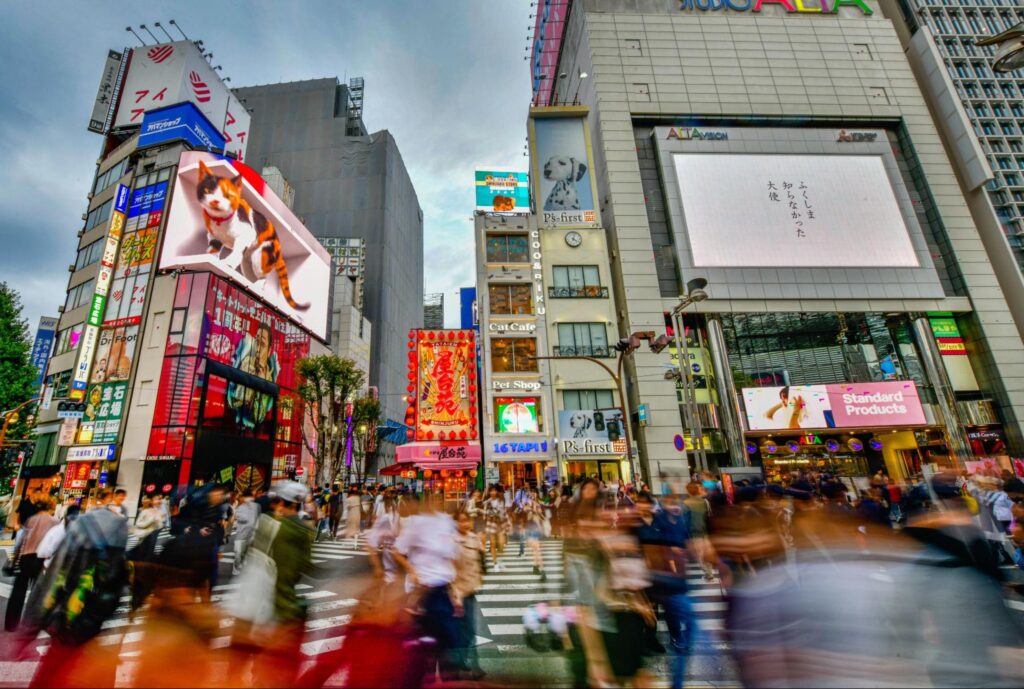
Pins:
x: 522, y: 587
x: 331, y: 556
x: 312, y: 648
x: 313, y: 595
x: 521, y: 577
x: 512, y: 597
x: 327, y: 622
x: 332, y: 605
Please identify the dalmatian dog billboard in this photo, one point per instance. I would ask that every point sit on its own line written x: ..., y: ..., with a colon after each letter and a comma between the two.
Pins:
x: 564, y: 182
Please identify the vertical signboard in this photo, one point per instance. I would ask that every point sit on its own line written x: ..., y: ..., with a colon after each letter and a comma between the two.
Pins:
x: 564, y: 189
x: 106, y: 93
x: 90, y: 334
x: 42, y: 347
x: 442, y: 372
x: 136, y: 256
x: 954, y: 351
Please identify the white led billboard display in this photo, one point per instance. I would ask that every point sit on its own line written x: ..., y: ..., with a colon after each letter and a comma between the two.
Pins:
x: 791, y: 210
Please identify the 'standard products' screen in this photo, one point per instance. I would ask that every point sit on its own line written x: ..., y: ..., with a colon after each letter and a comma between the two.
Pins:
x: 771, y: 210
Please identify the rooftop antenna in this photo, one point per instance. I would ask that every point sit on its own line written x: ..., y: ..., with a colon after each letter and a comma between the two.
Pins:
x: 175, y: 25
x: 169, y: 37
x: 128, y: 28
x: 143, y: 27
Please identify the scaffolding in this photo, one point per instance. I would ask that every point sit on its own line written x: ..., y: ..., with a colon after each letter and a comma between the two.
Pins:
x: 433, y: 311
x: 354, y: 126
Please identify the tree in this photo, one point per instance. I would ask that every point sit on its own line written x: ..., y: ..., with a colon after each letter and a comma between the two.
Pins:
x: 365, y: 418
x: 330, y: 382
x: 16, y: 381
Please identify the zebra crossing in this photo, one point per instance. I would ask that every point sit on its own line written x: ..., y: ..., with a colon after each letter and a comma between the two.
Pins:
x: 512, y: 587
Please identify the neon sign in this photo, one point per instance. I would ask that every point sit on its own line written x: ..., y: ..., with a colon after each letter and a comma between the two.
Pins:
x: 825, y: 6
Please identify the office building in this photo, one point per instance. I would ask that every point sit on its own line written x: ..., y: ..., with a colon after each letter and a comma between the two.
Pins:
x: 350, y: 184
x: 784, y: 154
x: 433, y: 311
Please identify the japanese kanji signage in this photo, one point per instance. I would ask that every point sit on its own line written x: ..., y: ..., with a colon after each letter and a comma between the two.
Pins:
x: 161, y: 75
x: 442, y: 372
x: 105, y: 94
x: 105, y: 405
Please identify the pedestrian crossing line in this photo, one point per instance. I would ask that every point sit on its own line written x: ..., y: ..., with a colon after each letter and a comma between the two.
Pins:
x: 314, y: 595
x: 332, y: 605
x: 528, y: 570
x: 331, y: 556
x: 518, y: 630
x: 513, y: 597
x: 312, y: 648
x: 521, y: 577
x: 327, y: 622
x: 522, y: 587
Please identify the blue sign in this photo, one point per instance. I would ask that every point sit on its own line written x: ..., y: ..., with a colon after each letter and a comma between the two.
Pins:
x: 121, y: 198
x: 467, y: 309
x: 181, y: 122
x: 103, y: 477
x: 523, y: 447
x: 42, y: 347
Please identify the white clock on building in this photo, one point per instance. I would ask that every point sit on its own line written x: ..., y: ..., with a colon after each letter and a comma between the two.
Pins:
x: 573, y: 239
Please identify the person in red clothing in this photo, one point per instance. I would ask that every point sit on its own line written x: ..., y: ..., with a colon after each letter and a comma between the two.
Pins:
x: 895, y: 494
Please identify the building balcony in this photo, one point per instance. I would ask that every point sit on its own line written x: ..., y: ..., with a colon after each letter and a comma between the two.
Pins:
x: 587, y: 292
x: 598, y: 351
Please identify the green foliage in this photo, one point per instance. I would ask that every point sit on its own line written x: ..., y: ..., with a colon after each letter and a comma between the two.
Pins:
x: 16, y: 377
x: 366, y: 414
x: 330, y: 382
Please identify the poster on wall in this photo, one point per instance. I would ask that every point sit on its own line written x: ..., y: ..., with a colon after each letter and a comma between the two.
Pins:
x: 502, y: 191
x: 564, y: 187
x: 517, y: 414
x: 586, y: 432
x: 227, y: 220
x: 747, y: 210
x: 42, y: 346
x: 841, y: 405
x: 115, y: 351
x: 443, y: 363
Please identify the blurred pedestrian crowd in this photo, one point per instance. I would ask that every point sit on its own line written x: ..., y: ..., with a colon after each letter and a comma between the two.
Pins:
x: 901, y: 584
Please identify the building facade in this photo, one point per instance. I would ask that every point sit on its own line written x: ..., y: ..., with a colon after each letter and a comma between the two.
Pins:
x: 350, y: 184
x: 747, y: 145
x: 174, y: 365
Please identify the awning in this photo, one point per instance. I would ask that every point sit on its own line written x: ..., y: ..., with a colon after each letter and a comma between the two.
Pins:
x: 452, y: 465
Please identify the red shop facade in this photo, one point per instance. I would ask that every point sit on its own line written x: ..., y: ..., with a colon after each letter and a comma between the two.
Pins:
x: 226, y: 407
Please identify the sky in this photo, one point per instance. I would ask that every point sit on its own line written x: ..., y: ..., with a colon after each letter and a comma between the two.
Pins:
x: 446, y: 77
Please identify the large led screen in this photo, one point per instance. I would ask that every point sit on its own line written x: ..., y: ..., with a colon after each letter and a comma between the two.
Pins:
x: 791, y: 210
x: 840, y: 405
x: 225, y: 218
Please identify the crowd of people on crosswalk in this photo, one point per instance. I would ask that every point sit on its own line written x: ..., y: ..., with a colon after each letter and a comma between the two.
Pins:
x: 812, y: 577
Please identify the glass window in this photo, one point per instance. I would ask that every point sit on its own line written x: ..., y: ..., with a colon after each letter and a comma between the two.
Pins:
x: 511, y: 300
x: 80, y: 295
x: 60, y: 382
x: 576, y: 277
x: 507, y: 248
x: 513, y: 354
x: 98, y: 215
x: 237, y: 409
x: 582, y: 339
x: 574, y: 400
x: 90, y: 253
x: 67, y: 339
x: 107, y: 178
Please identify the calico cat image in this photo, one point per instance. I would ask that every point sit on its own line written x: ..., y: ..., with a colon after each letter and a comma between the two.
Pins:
x: 253, y: 246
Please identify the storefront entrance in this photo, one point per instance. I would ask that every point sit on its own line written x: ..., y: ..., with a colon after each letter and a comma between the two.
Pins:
x: 607, y: 470
x: 515, y: 475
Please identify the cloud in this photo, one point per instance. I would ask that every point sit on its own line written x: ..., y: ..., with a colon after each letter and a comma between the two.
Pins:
x: 445, y: 77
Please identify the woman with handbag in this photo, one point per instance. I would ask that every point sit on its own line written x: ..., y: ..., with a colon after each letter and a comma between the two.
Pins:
x: 28, y: 565
x: 497, y: 523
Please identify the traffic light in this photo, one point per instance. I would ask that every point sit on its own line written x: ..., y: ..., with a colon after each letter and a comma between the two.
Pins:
x: 599, y: 421
x: 614, y: 430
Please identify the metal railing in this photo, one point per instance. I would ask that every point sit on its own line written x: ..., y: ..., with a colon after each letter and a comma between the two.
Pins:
x: 587, y: 292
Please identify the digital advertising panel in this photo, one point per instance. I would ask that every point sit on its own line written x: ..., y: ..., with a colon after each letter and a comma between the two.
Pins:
x: 115, y: 351
x: 564, y: 186
x: 517, y: 414
x: 839, y: 405
x: 105, y: 405
x: 226, y: 219
x: 179, y: 122
x: 502, y: 191
x: 776, y: 210
x: 442, y: 371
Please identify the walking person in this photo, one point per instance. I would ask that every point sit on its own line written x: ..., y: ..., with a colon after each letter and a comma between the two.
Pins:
x: 698, y: 511
x: 468, y: 580
x: 246, y: 516
x: 353, y: 516
x: 533, y: 531
x: 335, y: 508
x: 29, y: 564
x: 426, y: 549
x: 474, y: 507
x: 148, y: 523
x: 497, y: 523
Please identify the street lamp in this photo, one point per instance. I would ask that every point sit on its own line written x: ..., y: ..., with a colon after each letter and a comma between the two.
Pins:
x: 694, y: 293
x: 624, y: 347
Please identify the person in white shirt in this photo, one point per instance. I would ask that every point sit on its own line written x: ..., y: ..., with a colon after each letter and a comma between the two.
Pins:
x: 427, y: 549
x: 55, y: 536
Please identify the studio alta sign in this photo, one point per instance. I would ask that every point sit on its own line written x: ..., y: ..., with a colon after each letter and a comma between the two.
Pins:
x: 791, y: 6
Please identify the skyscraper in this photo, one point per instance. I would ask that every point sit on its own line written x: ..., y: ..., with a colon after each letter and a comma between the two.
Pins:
x: 350, y: 184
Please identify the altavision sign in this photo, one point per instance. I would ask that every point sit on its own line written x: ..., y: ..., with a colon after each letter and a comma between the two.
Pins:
x: 821, y: 7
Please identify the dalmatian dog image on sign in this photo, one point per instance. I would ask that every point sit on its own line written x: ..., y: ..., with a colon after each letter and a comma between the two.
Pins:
x: 580, y: 423
x: 565, y: 172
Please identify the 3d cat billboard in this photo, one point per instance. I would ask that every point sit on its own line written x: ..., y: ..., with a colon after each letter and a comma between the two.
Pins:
x: 224, y: 218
